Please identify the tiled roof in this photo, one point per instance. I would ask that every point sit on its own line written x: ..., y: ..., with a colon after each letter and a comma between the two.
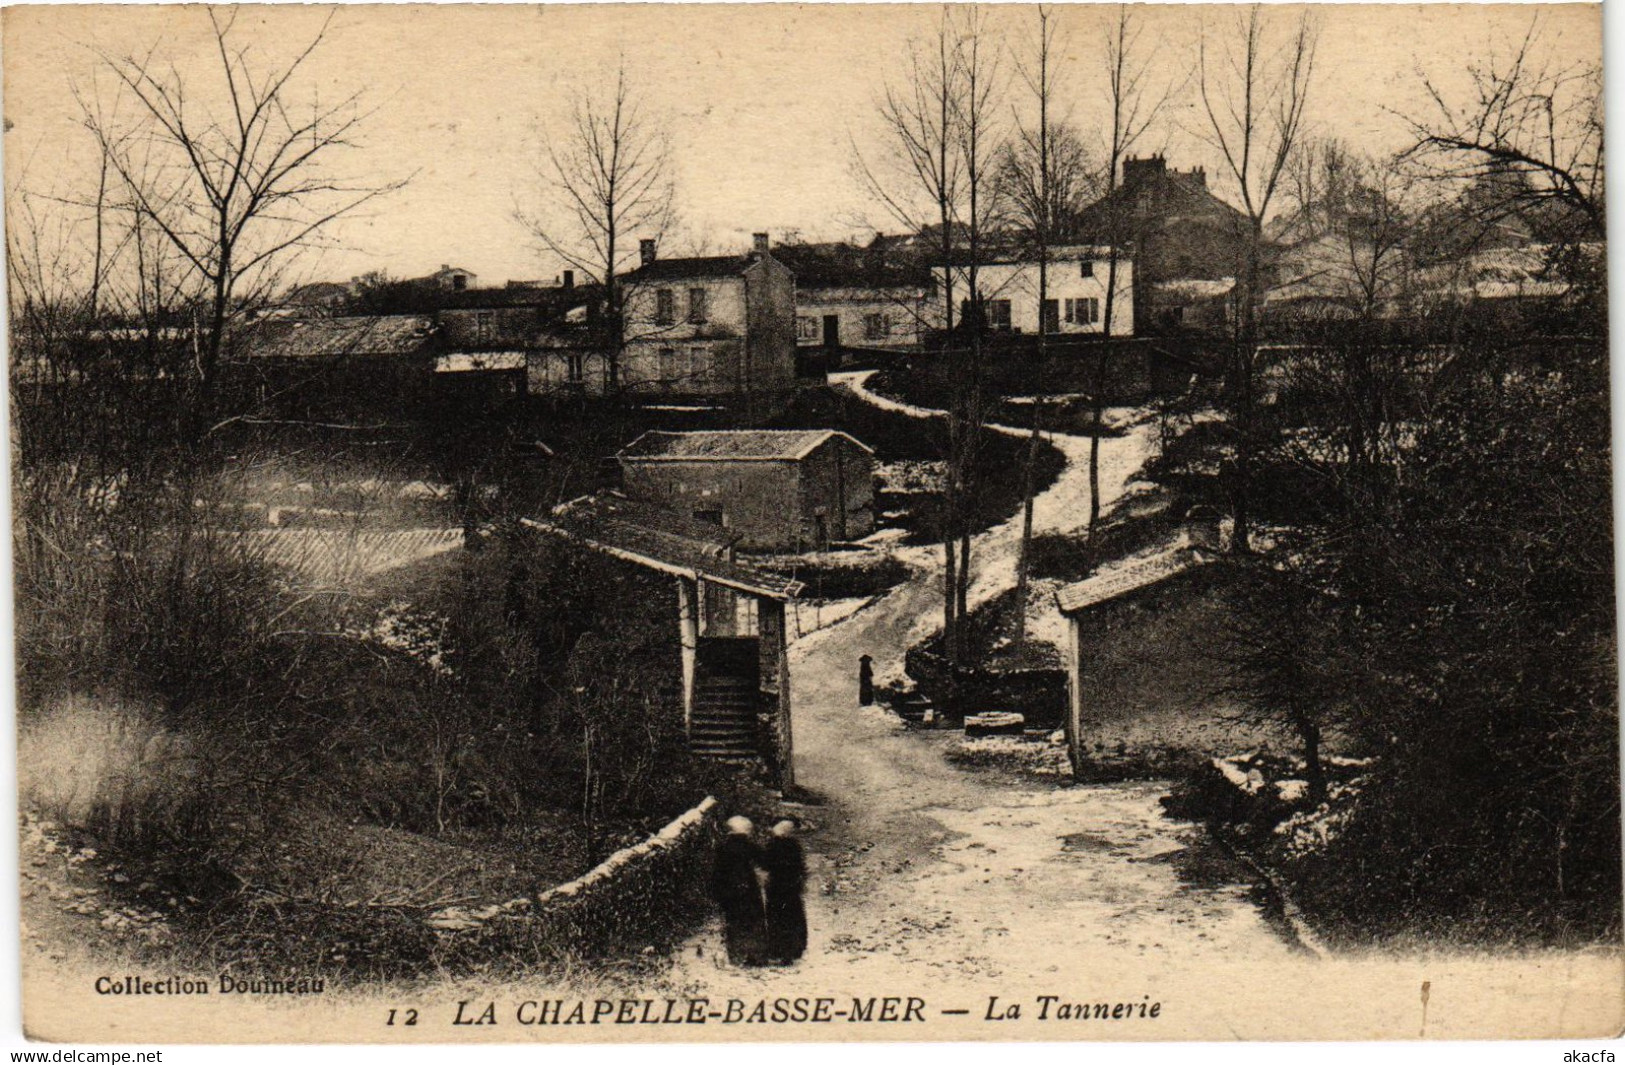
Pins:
x: 395, y: 334
x: 699, y: 266
x: 1160, y: 195
x: 661, y: 539
x: 826, y: 266
x: 1129, y: 577
x: 732, y: 445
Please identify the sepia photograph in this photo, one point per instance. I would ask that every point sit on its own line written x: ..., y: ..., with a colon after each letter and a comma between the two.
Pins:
x: 724, y: 523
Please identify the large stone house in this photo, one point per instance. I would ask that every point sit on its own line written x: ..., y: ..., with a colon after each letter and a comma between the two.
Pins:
x: 709, y: 326
x: 784, y: 489
x: 1180, y: 232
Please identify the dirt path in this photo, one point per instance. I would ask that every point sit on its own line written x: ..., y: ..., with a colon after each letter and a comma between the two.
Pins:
x: 922, y: 872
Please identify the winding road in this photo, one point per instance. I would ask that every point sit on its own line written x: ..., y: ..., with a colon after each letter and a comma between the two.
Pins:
x: 924, y: 874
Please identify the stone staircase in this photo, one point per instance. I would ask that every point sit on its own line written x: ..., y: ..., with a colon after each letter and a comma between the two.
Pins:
x: 726, y: 701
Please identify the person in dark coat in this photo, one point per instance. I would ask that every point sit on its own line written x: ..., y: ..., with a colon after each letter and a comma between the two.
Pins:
x: 786, y: 878
x: 866, y: 681
x: 738, y: 894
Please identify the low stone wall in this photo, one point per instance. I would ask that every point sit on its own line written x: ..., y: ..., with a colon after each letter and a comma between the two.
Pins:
x: 633, y: 895
x: 1037, y: 694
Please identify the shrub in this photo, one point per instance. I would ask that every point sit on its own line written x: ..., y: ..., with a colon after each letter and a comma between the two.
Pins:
x: 103, y: 765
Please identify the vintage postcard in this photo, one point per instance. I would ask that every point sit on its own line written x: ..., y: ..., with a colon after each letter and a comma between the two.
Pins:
x: 696, y: 523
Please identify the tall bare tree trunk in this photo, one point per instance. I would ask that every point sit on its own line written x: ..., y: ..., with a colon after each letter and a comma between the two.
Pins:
x: 1042, y: 233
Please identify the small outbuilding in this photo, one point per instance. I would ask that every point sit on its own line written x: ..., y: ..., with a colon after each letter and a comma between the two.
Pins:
x: 774, y: 489
x: 1148, y: 650
x: 734, y: 647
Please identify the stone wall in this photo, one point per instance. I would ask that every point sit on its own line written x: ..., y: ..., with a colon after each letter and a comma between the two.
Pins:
x: 638, y: 894
x: 1039, y: 695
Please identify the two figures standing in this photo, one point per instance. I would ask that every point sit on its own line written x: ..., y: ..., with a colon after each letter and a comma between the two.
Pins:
x: 758, y: 887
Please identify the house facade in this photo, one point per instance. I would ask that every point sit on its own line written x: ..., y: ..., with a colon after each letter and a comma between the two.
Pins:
x: 708, y: 326
x: 854, y: 297
x: 777, y: 490
x: 1075, y: 291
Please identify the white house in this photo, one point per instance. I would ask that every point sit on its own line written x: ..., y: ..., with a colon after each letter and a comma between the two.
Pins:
x: 1075, y: 301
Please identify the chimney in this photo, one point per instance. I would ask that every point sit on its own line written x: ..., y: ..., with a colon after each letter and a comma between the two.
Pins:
x: 1135, y: 170
x: 760, y: 243
x: 568, y: 280
x: 646, y: 249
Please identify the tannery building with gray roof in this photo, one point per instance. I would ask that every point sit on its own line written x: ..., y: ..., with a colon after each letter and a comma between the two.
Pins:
x: 775, y: 489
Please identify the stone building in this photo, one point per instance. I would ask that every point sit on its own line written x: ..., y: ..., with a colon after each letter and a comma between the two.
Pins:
x: 452, y: 278
x: 780, y: 490
x: 1179, y: 230
x: 709, y: 326
x: 1149, y: 648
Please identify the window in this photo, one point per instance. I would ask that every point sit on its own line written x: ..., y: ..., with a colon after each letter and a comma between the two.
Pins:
x: 482, y: 326
x: 806, y: 329
x: 574, y: 367
x: 1083, y: 311
x: 668, y: 364
x: 459, y: 282
x: 876, y: 327
x: 699, y: 364
x: 696, y: 305
x: 709, y: 515
x: 665, y: 306
x: 745, y: 616
x: 1086, y: 268
x: 998, y: 315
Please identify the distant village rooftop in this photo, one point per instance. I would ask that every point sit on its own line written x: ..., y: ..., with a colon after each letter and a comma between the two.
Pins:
x: 314, y: 338
x: 654, y: 268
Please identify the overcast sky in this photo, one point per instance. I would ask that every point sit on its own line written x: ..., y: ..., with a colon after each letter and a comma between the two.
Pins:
x: 764, y: 104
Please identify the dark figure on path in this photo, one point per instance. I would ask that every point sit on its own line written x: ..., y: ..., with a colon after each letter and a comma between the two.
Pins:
x: 866, y: 681
x: 786, y: 877
x: 739, y: 894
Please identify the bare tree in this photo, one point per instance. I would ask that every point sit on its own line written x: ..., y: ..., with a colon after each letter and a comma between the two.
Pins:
x: 1045, y: 178
x: 609, y: 175
x: 1360, y: 213
x: 1135, y: 106
x: 920, y: 183
x: 229, y: 175
x: 1531, y: 132
x: 1253, y: 92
